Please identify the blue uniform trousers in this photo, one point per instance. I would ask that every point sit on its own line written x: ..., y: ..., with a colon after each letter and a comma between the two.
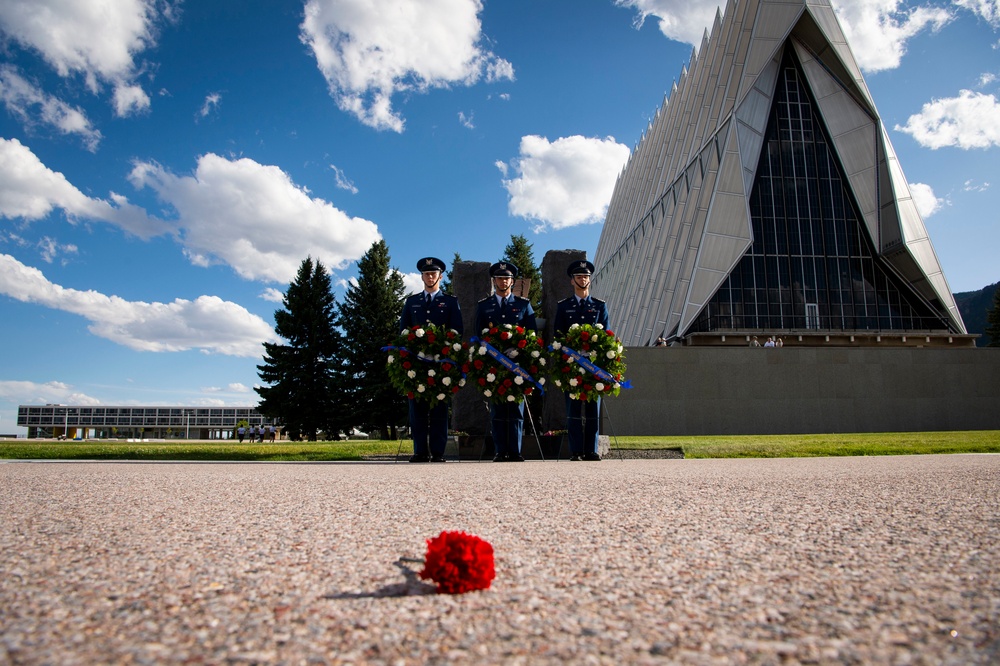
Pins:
x: 582, y: 424
x: 507, y: 422
x: 429, y: 427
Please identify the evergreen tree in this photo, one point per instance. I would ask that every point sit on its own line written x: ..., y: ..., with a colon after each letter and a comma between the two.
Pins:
x: 446, y: 282
x: 993, y: 320
x: 518, y: 251
x: 303, y: 375
x: 369, y: 317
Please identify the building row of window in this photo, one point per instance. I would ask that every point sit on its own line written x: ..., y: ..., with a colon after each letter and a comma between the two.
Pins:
x: 68, y: 415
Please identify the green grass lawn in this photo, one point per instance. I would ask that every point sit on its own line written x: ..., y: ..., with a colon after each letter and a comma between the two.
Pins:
x: 736, y: 446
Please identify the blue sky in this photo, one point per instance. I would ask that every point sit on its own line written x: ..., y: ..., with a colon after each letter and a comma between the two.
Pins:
x: 166, y: 166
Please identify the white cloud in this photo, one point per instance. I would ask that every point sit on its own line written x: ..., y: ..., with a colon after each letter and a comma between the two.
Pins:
x: 30, y: 190
x: 971, y: 120
x: 50, y: 249
x: 877, y: 30
x: 564, y: 183
x: 34, y: 393
x: 412, y: 283
x: 273, y: 295
x: 31, y: 105
x: 973, y: 186
x: 98, y: 40
x: 681, y: 20
x: 254, y: 218
x: 466, y: 120
x: 368, y: 54
x: 989, y: 10
x: 207, y: 323
x: 211, y: 104
x: 986, y: 79
x: 342, y: 181
x: 924, y: 198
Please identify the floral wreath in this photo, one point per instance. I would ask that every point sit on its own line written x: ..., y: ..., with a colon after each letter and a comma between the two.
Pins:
x: 589, y: 363
x: 507, y: 363
x: 425, y: 363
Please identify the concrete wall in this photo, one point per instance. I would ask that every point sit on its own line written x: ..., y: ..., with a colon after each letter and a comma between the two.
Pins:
x: 722, y: 391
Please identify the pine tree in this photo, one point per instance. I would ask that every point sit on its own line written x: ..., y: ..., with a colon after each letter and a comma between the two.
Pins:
x: 993, y: 321
x: 446, y: 282
x: 369, y: 317
x: 519, y: 252
x: 303, y: 376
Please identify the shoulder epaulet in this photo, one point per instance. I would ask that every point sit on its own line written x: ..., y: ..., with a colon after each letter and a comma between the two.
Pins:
x: 483, y: 300
x: 596, y: 300
x: 565, y: 300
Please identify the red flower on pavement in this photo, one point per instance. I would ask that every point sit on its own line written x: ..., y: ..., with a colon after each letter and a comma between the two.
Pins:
x: 458, y: 562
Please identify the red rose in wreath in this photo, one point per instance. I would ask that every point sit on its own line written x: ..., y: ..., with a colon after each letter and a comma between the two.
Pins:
x: 458, y: 562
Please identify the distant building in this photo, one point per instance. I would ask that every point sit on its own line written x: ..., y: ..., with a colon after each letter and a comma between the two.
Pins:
x: 766, y: 199
x: 119, y: 421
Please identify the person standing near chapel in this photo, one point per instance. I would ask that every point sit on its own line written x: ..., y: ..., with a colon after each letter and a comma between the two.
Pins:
x: 503, y: 307
x: 582, y: 416
x: 429, y: 425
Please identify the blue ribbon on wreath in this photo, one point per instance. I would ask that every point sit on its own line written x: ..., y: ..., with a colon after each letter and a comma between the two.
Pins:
x: 425, y: 359
x: 506, y: 362
x: 585, y: 363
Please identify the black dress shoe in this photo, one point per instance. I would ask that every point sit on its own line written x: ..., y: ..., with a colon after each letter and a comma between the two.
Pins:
x: 419, y: 458
x: 516, y: 458
x: 575, y: 458
x: 500, y: 457
x: 438, y: 459
x: 592, y: 456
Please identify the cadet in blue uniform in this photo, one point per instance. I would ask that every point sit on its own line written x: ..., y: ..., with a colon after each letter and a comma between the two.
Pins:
x: 429, y: 426
x: 582, y: 416
x: 503, y: 307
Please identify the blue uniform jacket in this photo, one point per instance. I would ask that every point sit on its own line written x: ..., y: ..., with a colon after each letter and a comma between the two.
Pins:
x: 518, y: 313
x: 568, y: 313
x: 444, y: 311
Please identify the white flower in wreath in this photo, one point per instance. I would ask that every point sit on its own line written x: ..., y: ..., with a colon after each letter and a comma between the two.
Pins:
x: 456, y: 346
x: 431, y: 373
x: 487, y: 393
x: 574, y: 396
x: 482, y: 350
x: 518, y: 380
x: 511, y: 398
x: 558, y: 382
x: 446, y: 381
x: 461, y: 382
x: 535, y: 353
x: 490, y: 377
x: 440, y: 396
x: 599, y: 386
x: 574, y: 326
x: 617, y: 385
x: 391, y: 359
x: 421, y: 388
x: 574, y: 381
x: 542, y: 361
x: 541, y: 381
x: 611, y: 353
x: 580, y: 369
x: 419, y: 332
x: 592, y: 355
x: 557, y: 345
x: 600, y: 326
x: 411, y: 373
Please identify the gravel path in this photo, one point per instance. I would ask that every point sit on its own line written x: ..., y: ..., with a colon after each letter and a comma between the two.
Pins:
x: 888, y: 560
